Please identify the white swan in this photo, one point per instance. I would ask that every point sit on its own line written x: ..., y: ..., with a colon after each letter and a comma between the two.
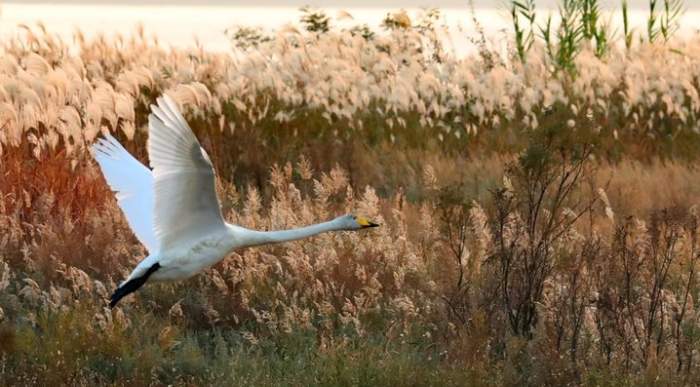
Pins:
x: 173, y: 209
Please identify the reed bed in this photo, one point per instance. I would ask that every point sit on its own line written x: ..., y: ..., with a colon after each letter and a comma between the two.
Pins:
x: 538, y: 226
x: 341, y: 84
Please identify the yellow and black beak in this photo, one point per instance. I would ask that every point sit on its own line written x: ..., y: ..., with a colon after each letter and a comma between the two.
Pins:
x: 365, y: 223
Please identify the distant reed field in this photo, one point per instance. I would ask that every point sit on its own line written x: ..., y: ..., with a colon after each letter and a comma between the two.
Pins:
x: 538, y: 207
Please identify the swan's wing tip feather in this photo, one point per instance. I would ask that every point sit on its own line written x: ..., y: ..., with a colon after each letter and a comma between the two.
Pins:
x: 132, y: 184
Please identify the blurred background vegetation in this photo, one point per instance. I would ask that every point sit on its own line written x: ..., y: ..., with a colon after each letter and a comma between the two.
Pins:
x: 538, y: 206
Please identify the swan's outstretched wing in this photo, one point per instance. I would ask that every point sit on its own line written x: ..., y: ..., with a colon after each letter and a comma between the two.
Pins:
x: 132, y: 184
x: 186, y: 206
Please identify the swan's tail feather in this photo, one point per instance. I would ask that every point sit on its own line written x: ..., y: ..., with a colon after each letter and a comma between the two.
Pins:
x: 131, y: 286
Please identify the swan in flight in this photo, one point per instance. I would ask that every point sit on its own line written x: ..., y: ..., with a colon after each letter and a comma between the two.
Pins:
x: 173, y: 208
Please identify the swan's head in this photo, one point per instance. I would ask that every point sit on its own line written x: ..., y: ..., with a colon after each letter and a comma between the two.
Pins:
x: 352, y: 222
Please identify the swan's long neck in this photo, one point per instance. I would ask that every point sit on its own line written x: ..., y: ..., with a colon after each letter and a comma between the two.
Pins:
x: 247, y: 238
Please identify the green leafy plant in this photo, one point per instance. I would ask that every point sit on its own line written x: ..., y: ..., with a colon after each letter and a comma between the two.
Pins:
x: 669, y: 23
x: 247, y: 37
x: 314, y: 20
x: 664, y: 22
x: 363, y: 30
x: 570, y: 34
x: 627, y: 30
x: 397, y: 20
x: 524, y: 34
x: 594, y: 29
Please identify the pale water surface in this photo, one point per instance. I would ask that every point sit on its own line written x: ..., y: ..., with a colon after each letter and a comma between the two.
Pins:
x: 182, y: 25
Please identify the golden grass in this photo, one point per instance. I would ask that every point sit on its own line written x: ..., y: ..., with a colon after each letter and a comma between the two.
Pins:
x: 342, y: 85
x: 440, y: 290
